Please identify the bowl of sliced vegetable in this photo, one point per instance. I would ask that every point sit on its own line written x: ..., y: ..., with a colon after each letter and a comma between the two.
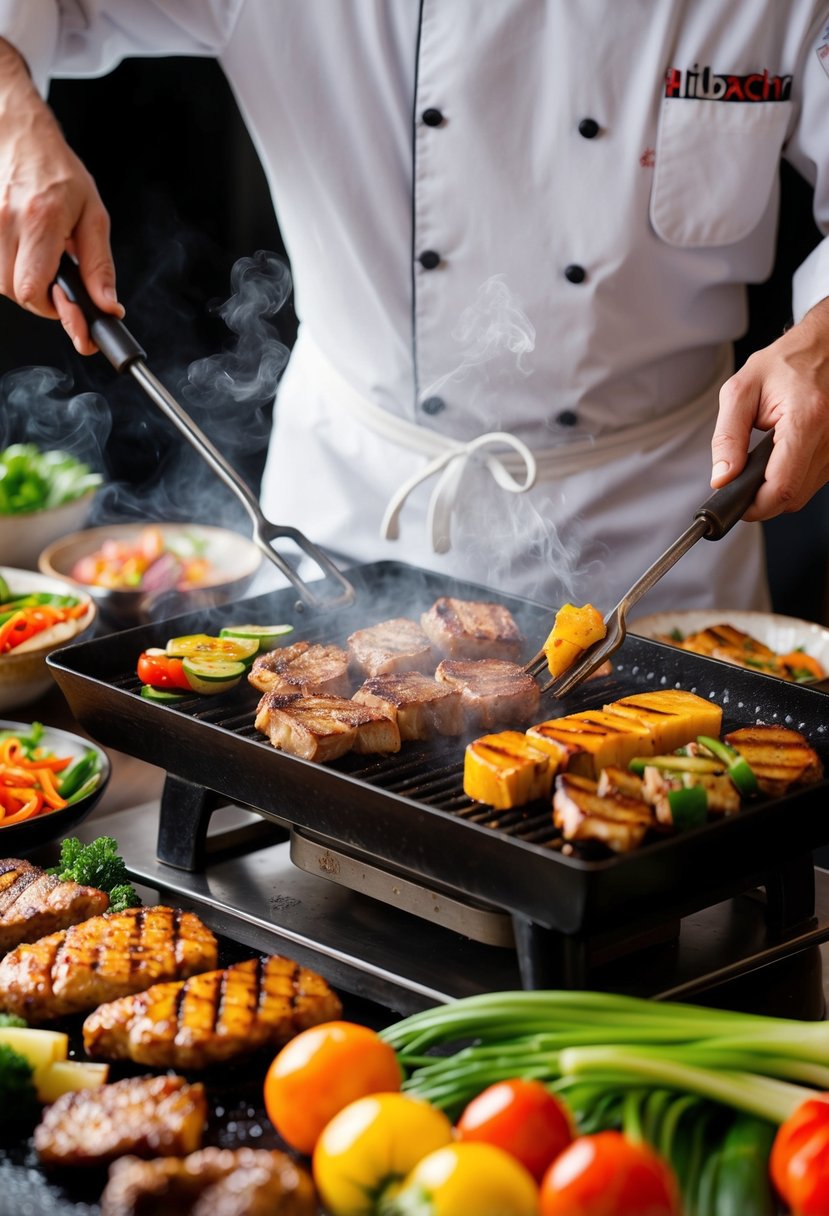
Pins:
x: 143, y: 572
x: 43, y: 495
x: 49, y: 782
x: 37, y: 615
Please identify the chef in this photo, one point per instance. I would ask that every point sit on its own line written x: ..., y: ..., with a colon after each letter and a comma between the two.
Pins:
x: 520, y: 234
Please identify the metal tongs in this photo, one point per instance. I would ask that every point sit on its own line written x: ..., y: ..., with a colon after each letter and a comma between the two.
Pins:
x: 717, y: 516
x: 116, y: 342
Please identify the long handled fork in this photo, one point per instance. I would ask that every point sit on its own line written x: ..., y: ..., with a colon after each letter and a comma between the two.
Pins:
x: 713, y: 520
x: 125, y: 354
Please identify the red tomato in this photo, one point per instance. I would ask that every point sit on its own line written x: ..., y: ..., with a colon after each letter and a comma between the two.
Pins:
x: 521, y: 1117
x: 799, y: 1162
x: 609, y: 1175
x: 321, y: 1071
x: 161, y: 671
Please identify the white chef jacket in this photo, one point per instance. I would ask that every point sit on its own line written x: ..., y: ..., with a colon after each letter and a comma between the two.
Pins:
x: 528, y: 217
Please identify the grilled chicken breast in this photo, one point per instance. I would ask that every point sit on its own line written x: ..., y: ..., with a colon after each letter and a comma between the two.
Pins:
x: 420, y: 705
x: 466, y: 629
x: 392, y: 646
x: 302, y: 668
x: 213, y: 1016
x: 780, y: 757
x: 105, y: 957
x: 34, y: 903
x: 492, y: 690
x: 325, y: 727
x: 615, y: 819
x: 153, y: 1116
x: 211, y: 1182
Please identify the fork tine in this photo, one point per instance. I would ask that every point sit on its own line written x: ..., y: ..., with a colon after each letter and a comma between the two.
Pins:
x: 592, y: 658
x: 536, y: 665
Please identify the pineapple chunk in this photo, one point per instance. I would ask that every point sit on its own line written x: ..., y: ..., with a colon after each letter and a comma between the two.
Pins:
x: 589, y: 741
x: 574, y: 629
x: 672, y: 716
x: 506, y: 770
x: 64, y: 1076
x: 42, y: 1048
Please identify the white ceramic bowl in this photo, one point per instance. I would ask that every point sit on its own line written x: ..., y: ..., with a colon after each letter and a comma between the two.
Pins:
x: 23, y: 537
x: 233, y: 558
x: 24, y: 676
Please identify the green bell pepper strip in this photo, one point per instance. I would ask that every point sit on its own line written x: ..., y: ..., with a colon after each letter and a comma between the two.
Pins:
x: 78, y: 775
x: 739, y: 770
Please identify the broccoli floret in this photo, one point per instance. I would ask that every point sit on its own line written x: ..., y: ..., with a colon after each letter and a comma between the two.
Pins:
x: 12, y: 1019
x: 18, y: 1096
x: 97, y: 864
x: 123, y: 896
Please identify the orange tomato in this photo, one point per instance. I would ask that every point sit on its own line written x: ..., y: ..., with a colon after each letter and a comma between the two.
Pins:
x: 322, y: 1070
x: 521, y: 1117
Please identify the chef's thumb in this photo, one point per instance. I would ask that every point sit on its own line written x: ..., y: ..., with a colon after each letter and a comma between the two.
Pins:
x: 739, y: 400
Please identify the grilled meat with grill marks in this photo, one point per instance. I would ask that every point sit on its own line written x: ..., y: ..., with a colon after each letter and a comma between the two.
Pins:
x: 105, y: 957
x: 213, y: 1016
x: 323, y: 728
x: 34, y: 903
x: 211, y: 1182
x: 392, y: 646
x: 616, y: 820
x: 153, y: 1116
x: 780, y: 757
x: 466, y: 629
x: 492, y: 690
x: 421, y: 706
x: 302, y: 668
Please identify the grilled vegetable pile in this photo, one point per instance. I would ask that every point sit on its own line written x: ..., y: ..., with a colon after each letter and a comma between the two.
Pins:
x: 35, y: 781
x: 204, y: 665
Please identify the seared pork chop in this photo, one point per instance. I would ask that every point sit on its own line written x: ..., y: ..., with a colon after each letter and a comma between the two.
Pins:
x: 213, y: 1016
x: 303, y: 668
x: 324, y: 727
x: 466, y: 629
x: 422, y: 707
x: 211, y: 1182
x: 105, y: 957
x: 492, y: 690
x: 392, y: 646
x: 152, y: 1116
x: 34, y: 903
x: 779, y: 756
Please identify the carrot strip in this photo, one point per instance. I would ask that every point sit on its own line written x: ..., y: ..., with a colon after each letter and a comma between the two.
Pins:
x: 49, y: 789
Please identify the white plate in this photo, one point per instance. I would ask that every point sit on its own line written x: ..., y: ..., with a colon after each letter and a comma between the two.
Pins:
x: 780, y: 633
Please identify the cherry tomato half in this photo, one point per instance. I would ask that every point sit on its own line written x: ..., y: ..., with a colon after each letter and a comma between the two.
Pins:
x: 160, y: 671
x: 521, y: 1117
x: 799, y: 1162
x: 609, y: 1175
x: 322, y: 1070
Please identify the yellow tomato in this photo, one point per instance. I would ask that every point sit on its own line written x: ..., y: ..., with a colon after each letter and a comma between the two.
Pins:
x: 370, y: 1147
x: 465, y: 1178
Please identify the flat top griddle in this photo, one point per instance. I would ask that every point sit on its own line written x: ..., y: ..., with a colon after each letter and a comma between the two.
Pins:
x: 409, y: 810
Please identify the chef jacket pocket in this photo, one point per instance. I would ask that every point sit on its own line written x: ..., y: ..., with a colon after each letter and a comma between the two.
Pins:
x: 715, y: 168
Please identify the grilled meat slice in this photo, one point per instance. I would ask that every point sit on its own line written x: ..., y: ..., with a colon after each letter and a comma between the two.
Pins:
x: 152, y: 1116
x: 210, y: 1182
x: 613, y: 781
x: 105, y: 957
x: 467, y: 629
x: 421, y: 706
x: 492, y: 690
x: 505, y: 770
x: 392, y: 646
x: 302, y: 668
x: 780, y: 757
x: 616, y: 820
x: 323, y: 727
x: 213, y: 1016
x: 34, y: 903
x: 587, y: 742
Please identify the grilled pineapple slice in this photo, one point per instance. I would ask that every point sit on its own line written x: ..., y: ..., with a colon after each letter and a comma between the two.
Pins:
x: 574, y: 629
x: 589, y: 741
x: 672, y: 716
x: 506, y: 770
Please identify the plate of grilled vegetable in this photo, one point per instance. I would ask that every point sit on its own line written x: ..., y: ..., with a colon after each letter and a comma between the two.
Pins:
x: 49, y: 782
x: 775, y: 645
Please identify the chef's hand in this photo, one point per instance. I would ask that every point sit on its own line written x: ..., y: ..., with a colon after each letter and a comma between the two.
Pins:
x: 48, y: 203
x: 784, y: 386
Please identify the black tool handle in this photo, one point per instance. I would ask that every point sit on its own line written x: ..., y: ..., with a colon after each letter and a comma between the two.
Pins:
x: 110, y: 335
x: 728, y: 504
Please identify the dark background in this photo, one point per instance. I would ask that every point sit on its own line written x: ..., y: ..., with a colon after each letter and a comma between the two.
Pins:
x: 187, y: 197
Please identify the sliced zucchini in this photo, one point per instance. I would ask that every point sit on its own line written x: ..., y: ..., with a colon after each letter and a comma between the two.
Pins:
x: 166, y: 695
x: 211, y: 674
x: 201, y: 646
x: 266, y: 636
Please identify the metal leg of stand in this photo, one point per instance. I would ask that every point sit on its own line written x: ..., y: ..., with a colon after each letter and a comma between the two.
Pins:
x: 182, y: 823
x: 790, y: 896
x: 547, y: 958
